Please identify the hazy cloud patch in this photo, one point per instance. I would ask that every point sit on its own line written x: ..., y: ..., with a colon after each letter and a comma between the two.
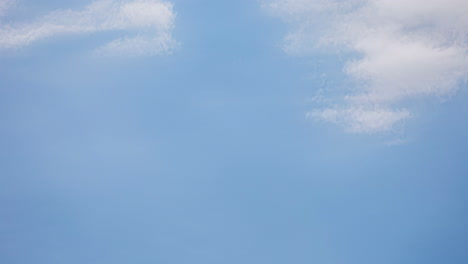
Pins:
x: 146, y: 26
x: 403, y: 50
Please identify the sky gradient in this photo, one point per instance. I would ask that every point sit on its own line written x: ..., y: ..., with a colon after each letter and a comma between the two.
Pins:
x: 193, y: 132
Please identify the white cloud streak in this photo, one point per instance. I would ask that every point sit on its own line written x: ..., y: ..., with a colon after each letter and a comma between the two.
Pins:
x: 149, y: 23
x: 405, y: 50
x: 362, y: 119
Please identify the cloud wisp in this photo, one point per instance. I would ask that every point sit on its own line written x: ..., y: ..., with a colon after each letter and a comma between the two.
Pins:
x: 146, y: 26
x: 5, y: 5
x: 401, y: 51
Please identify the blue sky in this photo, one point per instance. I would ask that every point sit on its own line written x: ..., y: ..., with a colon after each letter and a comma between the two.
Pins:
x: 232, y: 132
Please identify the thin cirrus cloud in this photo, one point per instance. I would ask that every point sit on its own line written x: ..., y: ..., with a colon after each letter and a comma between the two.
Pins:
x: 5, y: 5
x: 146, y: 26
x: 402, y: 50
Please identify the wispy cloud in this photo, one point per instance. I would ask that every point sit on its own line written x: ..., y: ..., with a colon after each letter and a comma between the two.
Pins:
x: 405, y: 49
x: 362, y: 119
x: 5, y: 5
x: 146, y: 26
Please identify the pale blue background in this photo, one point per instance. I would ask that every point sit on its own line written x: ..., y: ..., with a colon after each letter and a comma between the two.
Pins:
x: 205, y: 156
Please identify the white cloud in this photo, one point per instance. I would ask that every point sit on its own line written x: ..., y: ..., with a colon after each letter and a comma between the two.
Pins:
x: 405, y: 49
x: 149, y: 23
x: 362, y: 120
